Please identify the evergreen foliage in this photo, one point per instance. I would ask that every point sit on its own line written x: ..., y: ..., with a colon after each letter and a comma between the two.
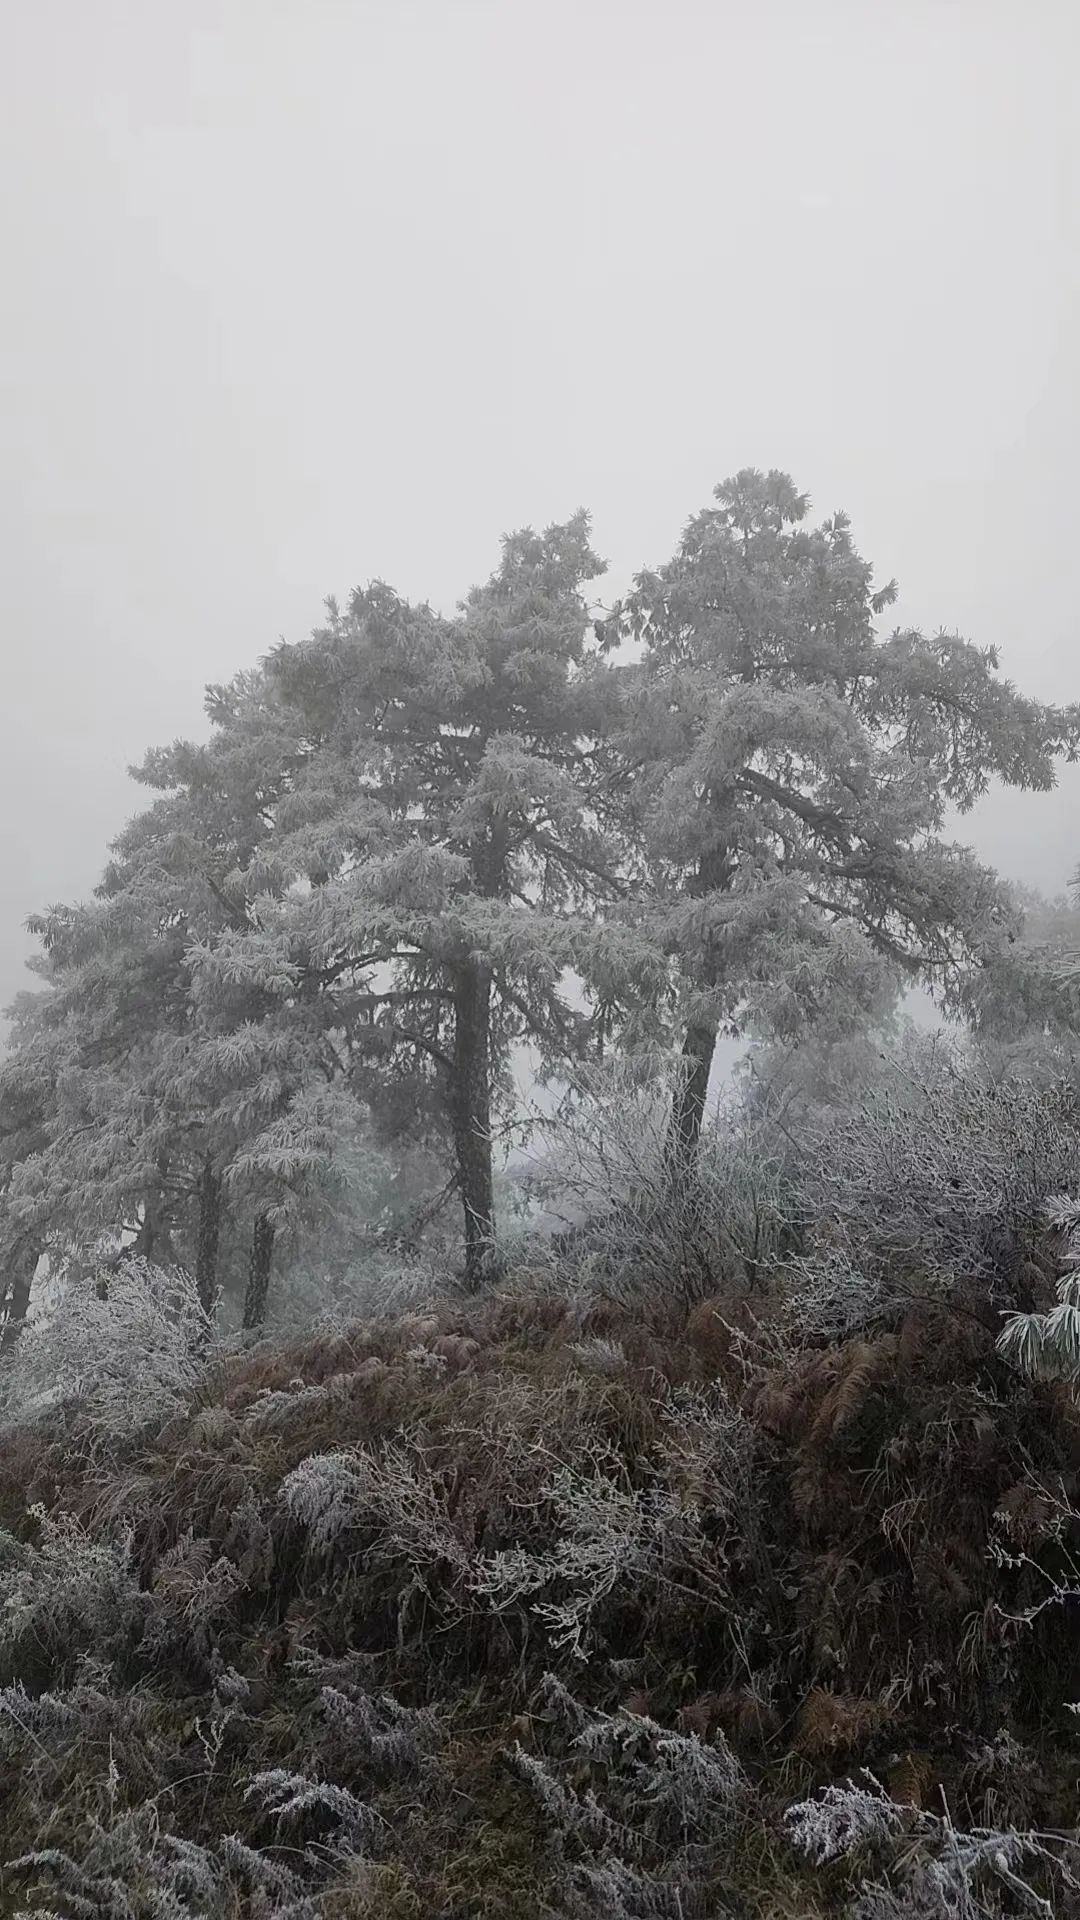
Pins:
x: 417, y: 846
x: 796, y: 766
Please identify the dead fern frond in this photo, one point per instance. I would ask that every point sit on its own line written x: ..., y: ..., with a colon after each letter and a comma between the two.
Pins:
x: 833, y: 1724
x: 866, y: 1364
x: 910, y: 1780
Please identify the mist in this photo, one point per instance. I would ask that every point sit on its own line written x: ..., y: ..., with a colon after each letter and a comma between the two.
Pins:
x: 299, y: 295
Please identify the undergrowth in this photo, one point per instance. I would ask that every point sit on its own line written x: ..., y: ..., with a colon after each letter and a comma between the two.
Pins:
x: 532, y: 1606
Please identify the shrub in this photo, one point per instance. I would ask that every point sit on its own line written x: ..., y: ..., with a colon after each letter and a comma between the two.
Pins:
x: 130, y: 1868
x: 942, y: 1170
x: 660, y: 1808
x: 634, y: 1233
x: 390, y: 1492
x: 70, y: 1592
x: 934, y: 1871
x: 644, y: 1542
x: 128, y: 1353
x: 1046, y: 1346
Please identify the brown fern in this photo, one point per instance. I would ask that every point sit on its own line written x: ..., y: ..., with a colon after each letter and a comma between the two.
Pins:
x: 910, y: 1779
x: 746, y: 1720
x: 833, y: 1724
x: 823, y: 1499
x: 866, y: 1363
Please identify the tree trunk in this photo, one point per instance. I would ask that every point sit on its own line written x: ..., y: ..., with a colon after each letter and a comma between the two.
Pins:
x: 153, y: 1241
x: 470, y: 1100
x: 688, y: 1100
x: 258, y: 1283
x: 206, y: 1252
x: 715, y: 872
x: 23, y: 1268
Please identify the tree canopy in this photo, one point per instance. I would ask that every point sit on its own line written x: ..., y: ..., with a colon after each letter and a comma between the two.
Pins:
x: 416, y: 842
x: 796, y: 768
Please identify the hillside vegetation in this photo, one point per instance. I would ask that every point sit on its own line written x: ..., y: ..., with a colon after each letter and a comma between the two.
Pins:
x: 576, y: 1598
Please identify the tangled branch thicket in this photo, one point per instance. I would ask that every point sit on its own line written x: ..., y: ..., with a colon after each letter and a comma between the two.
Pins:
x: 602, y: 1166
x: 592, y: 1596
x: 942, y: 1169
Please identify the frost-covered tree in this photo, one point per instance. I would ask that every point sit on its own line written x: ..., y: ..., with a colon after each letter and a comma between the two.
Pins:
x: 170, y: 1094
x: 371, y: 879
x: 1024, y: 1009
x: 28, y: 1076
x: 407, y: 833
x: 445, y: 842
x: 796, y: 767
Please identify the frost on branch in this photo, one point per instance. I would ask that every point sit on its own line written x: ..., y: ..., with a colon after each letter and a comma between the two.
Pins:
x: 129, y: 1868
x: 844, y: 1820
x: 934, y: 1870
x: 392, y: 1742
x: 614, y: 1538
x: 128, y: 1353
x: 1046, y: 1346
x: 658, y: 1808
x: 391, y: 1492
x: 610, y: 1537
x: 296, y: 1803
x: 322, y: 1494
x: 942, y: 1169
x: 600, y: 1165
x: 72, y: 1591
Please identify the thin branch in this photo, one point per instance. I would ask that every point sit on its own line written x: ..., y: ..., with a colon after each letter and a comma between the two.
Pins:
x: 579, y: 862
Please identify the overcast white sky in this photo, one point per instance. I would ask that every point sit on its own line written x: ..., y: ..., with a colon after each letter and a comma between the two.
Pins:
x: 298, y: 292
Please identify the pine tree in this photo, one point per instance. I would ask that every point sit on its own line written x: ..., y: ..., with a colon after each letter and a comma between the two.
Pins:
x: 1024, y: 1009
x: 171, y: 1079
x: 448, y: 840
x: 796, y: 768
x: 27, y: 1094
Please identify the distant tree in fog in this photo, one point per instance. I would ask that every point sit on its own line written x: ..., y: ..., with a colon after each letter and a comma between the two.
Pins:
x: 1024, y: 1008
x: 167, y: 1094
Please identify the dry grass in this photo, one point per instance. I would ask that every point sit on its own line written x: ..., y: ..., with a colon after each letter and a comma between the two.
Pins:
x: 780, y: 1555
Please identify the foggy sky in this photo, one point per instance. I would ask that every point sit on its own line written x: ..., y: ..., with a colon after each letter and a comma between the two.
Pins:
x: 299, y: 292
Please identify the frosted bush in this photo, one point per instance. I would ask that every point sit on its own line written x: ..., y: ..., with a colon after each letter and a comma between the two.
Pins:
x: 323, y: 1495
x: 653, y: 1794
x: 614, y: 1538
x: 828, y: 1294
x: 391, y: 1490
x: 391, y: 1741
x: 193, y: 1593
x: 129, y: 1356
x: 941, y: 1167
x: 275, y: 1409
x: 71, y: 1590
x: 602, y: 1169
x: 615, y: 1891
x: 57, y: 1718
x: 294, y: 1802
x: 572, y: 1813
x: 129, y: 1869
x: 1046, y: 1346
x: 935, y: 1871
x: 844, y: 1819
x: 609, y: 1536
x: 679, y: 1789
